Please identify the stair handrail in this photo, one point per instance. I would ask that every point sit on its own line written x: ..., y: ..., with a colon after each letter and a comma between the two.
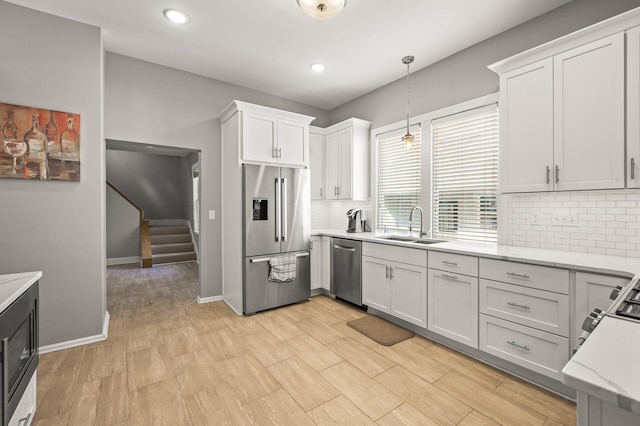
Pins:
x: 128, y: 200
x: 145, y: 240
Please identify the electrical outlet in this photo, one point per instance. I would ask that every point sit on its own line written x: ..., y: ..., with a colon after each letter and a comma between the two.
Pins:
x: 212, y: 214
x: 535, y: 218
x: 564, y: 219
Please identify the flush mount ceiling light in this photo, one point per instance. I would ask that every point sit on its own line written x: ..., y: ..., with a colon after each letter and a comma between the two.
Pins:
x: 322, y: 9
x: 408, y: 138
x: 317, y: 67
x: 176, y: 16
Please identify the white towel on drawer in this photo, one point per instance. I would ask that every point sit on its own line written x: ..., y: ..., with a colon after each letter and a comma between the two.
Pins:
x: 282, y: 268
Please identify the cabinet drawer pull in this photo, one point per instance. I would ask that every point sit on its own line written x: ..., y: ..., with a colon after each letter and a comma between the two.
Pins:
x: 513, y: 274
x: 516, y: 305
x: 446, y: 262
x: 390, y: 273
x: 557, y: 174
x: 386, y: 269
x: 525, y: 347
x: 449, y: 277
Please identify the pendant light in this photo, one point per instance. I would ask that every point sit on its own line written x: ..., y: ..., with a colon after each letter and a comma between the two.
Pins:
x: 322, y: 9
x: 408, y: 138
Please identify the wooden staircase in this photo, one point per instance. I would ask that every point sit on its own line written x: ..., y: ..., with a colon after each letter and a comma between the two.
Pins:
x: 171, y: 244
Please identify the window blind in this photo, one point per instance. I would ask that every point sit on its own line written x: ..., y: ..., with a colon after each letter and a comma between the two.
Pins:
x: 398, y: 178
x: 465, y: 175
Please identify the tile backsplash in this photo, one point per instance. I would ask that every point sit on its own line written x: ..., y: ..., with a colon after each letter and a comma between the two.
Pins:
x: 333, y: 213
x: 602, y: 222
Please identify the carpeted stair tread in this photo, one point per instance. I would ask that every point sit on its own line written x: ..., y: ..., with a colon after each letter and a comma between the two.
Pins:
x: 165, y: 230
x: 171, y: 248
x: 170, y: 239
x: 188, y: 256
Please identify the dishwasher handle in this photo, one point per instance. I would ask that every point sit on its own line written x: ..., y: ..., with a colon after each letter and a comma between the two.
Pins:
x: 338, y: 246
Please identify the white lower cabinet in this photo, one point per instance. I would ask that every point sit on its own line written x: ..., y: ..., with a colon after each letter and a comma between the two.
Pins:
x: 525, y: 314
x: 316, y: 263
x: 394, y: 281
x: 543, y: 352
x: 376, y: 284
x: 325, y: 264
x: 540, y: 309
x: 452, y: 302
x: 26, y: 409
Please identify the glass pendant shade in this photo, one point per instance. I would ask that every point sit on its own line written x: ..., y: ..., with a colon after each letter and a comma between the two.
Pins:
x: 322, y: 9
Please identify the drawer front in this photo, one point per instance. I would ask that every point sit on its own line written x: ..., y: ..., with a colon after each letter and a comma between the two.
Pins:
x: 457, y: 263
x: 536, y: 350
x: 417, y: 257
x: 26, y: 409
x: 540, y: 277
x: 539, y: 309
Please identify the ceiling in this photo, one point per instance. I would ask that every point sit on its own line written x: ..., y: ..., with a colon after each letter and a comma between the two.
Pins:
x: 268, y: 45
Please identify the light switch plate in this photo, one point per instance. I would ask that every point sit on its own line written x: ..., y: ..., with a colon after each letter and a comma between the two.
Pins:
x: 212, y: 214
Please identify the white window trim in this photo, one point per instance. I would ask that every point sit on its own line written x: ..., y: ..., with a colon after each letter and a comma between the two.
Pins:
x: 424, y: 120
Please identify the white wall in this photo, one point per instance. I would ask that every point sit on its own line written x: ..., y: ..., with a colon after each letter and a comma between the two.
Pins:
x: 148, y: 103
x: 57, y: 227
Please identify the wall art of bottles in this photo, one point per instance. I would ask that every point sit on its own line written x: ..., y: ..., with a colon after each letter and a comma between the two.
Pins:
x: 39, y: 144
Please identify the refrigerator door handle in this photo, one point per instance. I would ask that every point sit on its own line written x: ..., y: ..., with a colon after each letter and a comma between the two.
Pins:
x: 278, y: 210
x: 285, y: 201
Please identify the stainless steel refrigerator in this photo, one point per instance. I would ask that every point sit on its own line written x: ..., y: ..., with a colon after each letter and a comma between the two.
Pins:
x: 276, y: 209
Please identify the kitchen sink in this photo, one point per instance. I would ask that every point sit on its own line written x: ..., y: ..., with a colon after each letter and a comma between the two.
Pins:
x: 407, y: 239
x: 399, y: 238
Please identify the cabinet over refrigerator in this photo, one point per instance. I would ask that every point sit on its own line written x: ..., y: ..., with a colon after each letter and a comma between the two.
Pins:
x: 276, y: 236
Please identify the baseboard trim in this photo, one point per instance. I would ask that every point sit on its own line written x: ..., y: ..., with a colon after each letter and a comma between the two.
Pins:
x: 202, y: 300
x: 81, y: 341
x: 123, y: 260
x: 232, y: 308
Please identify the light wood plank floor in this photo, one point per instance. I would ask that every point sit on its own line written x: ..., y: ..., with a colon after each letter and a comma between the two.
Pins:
x: 171, y: 361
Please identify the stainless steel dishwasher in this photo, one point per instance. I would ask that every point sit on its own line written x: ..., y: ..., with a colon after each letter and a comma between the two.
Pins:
x: 346, y: 270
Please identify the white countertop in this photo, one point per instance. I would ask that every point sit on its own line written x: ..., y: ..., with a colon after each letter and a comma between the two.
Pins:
x: 606, y: 364
x: 13, y: 285
x: 595, y: 263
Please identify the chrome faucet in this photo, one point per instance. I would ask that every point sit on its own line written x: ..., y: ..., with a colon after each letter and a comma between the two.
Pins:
x: 411, y: 220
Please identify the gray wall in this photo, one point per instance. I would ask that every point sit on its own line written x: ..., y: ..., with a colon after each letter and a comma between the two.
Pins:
x: 153, y: 182
x: 123, y: 227
x: 148, y: 103
x: 57, y: 227
x: 465, y: 75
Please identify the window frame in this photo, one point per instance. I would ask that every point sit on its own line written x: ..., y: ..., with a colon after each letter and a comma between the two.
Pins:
x: 424, y: 120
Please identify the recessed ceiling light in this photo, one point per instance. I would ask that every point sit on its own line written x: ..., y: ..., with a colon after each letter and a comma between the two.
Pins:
x: 317, y: 67
x: 150, y: 146
x: 176, y: 16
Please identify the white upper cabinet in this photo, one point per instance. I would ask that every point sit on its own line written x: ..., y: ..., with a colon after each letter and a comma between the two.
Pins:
x: 562, y: 115
x: 347, y: 160
x: 633, y: 108
x: 270, y: 136
x: 317, y: 162
x: 589, y: 116
x: 526, y: 128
